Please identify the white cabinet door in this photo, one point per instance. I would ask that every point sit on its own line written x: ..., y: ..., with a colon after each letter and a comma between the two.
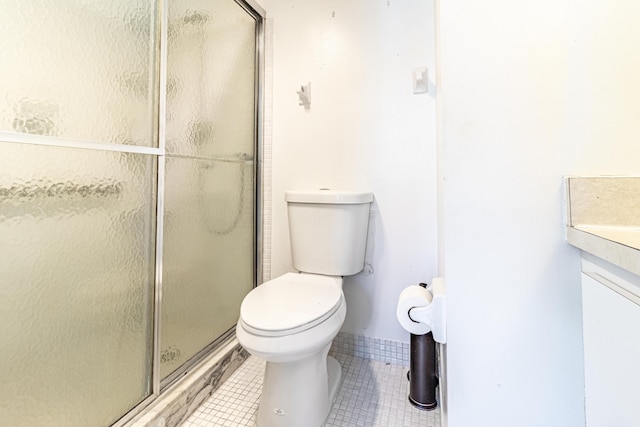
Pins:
x: 611, y: 325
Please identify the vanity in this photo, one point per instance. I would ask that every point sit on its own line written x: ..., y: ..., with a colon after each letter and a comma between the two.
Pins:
x: 603, y: 221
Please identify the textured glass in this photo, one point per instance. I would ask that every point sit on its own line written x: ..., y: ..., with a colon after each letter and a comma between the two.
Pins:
x: 80, y: 69
x: 76, y: 287
x: 208, y: 264
x: 208, y: 253
x: 210, y: 79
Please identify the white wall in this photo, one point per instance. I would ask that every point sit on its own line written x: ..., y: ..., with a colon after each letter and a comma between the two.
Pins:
x: 365, y: 129
x: 530, y: 91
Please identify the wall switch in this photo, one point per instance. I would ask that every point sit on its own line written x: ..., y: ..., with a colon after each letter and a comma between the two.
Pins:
x: 304, y: 95
x: 420, y: 77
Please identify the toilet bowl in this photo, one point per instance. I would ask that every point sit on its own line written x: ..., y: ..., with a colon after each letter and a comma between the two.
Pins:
x: 300, y: 379
x: 278, y: 324
x: 290, y: 321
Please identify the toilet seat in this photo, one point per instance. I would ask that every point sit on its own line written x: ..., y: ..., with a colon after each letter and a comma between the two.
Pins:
x: 290, y: 304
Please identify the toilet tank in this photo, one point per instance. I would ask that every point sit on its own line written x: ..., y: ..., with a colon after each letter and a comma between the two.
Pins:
x: 328, y: 230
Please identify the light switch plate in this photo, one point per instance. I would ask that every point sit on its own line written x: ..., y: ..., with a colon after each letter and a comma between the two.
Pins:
x: 420, y: 77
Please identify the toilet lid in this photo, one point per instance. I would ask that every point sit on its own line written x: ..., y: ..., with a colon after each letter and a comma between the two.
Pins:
x: 291, y: 303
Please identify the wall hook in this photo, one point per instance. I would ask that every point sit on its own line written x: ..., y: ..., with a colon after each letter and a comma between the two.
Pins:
x: 304, y: 95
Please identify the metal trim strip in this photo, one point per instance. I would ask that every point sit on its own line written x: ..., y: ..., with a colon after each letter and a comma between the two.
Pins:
x: 25, y: 138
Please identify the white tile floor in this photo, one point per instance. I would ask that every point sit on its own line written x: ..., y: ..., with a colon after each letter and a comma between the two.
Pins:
x: 373, y: 394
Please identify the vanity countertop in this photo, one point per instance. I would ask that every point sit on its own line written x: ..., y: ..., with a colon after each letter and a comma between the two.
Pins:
x: 619, y: 245
x: 603, y: 218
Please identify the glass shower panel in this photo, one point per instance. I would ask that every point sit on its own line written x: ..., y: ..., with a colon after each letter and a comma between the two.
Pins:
x: 208, y: 263
x: 82, y: 69
x: 211, y: 79
x: 76, y: 290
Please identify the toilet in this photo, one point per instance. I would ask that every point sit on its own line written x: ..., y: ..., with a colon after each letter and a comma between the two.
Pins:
x: 290, y: 321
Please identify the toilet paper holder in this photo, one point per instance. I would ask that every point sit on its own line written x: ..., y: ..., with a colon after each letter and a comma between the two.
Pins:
x: 421, y: 310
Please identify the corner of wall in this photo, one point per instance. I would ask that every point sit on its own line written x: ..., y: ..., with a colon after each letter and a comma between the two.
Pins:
x: 267, y: 142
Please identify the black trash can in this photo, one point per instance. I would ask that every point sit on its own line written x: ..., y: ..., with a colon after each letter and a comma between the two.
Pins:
x: 422, y: 374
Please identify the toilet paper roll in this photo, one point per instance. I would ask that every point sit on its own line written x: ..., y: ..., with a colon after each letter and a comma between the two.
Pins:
x: 410, y: 297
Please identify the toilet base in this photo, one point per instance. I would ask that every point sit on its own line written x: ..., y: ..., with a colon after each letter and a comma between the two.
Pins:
x: 299, y: 393
x: 334, y: 371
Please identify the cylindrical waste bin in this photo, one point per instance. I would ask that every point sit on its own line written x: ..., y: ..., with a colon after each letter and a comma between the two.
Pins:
x: 423, y: 379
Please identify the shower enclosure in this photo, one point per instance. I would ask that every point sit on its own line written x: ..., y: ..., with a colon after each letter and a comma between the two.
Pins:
x: 129, y: 147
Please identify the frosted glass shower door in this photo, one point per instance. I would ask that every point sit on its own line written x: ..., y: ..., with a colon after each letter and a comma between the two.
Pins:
x: 209, y: 222
x: 80, y: 69
x: 76, y: 287
x: 78, y: 168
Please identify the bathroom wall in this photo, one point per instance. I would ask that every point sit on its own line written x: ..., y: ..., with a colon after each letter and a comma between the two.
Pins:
x: 365, y: 129
x: 531, y: 91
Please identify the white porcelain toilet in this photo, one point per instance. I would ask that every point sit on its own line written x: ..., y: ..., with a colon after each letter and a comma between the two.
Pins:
x: 291, y: 320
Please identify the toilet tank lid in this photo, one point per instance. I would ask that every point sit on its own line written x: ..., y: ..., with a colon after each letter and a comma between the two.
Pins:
x: 325, y: 195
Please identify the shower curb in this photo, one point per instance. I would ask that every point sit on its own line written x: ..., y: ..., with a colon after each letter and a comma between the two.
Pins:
x: 185, y: 396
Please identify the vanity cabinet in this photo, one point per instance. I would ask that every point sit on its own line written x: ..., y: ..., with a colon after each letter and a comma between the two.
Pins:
x: 603, y: 222
x: 611, y: 323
